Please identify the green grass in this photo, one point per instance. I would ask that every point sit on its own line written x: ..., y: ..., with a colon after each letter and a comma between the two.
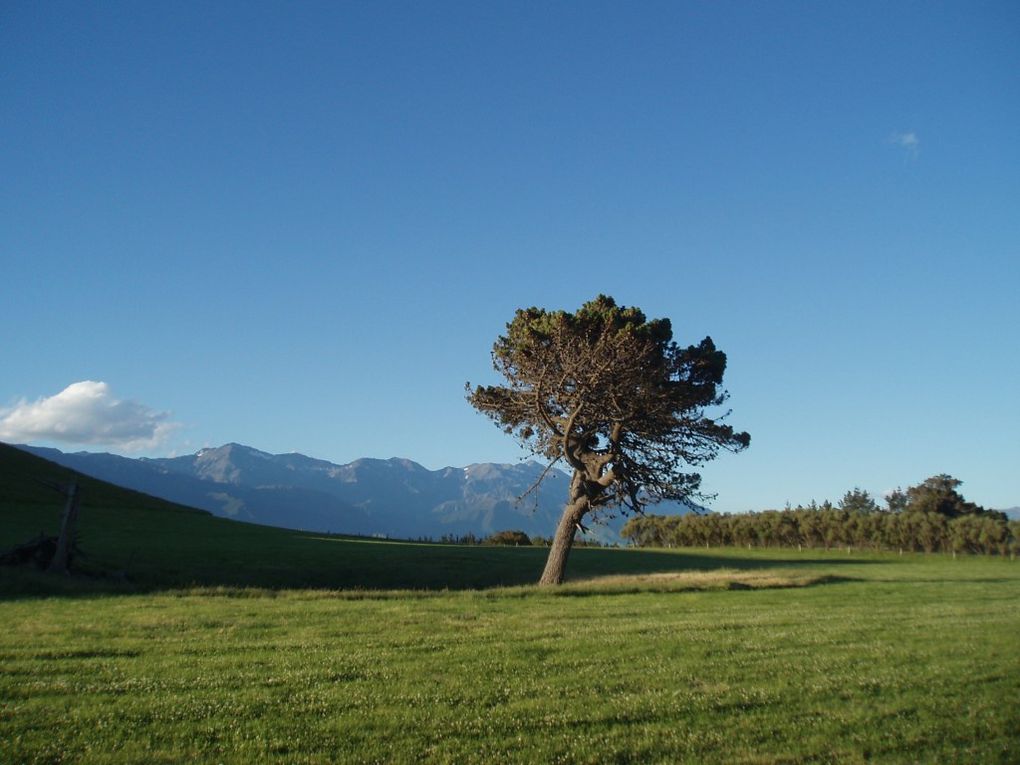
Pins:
x: 740, y: 657
x: 914, y: 661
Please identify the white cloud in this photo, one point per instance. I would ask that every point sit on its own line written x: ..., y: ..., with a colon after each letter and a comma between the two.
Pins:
x: 909, y: 142
x: 86, y: 413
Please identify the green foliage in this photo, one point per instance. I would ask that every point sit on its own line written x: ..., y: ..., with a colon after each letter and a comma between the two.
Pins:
x: 934, y: 518
x: 858, y: 501
x: 896, y: 501
x: 609, y: 392
x: 939, y: 494
x: 986, y: 533
x: 510, y: 538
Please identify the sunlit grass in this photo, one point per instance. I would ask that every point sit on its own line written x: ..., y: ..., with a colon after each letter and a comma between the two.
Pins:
x: 893, y: 661
x: 187, y: 638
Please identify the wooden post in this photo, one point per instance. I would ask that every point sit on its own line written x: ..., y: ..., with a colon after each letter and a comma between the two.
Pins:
x: 62, y: 556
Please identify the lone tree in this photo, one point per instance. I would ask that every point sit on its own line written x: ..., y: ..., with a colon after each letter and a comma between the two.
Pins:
x: 608, y: 391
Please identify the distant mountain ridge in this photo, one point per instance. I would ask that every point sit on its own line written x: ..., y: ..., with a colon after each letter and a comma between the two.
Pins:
x: 387, y: 497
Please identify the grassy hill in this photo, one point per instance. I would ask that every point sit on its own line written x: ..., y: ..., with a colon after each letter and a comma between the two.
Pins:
x: 23, y: 477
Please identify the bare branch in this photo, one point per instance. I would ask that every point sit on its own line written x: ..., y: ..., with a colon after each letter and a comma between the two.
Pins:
x: 539, y: 480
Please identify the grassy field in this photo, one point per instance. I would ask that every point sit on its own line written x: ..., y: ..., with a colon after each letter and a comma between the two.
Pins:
x: 280, y: 646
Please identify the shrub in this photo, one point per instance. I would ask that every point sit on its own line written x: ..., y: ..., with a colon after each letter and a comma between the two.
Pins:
x: 513, y: 538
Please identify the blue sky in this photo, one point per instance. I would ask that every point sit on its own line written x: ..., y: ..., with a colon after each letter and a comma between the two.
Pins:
x: 301, y: 226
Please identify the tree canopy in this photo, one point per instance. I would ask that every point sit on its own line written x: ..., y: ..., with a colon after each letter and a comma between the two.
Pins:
x: 939, y: 494
x: 858, y: 501
x: 608, y: 392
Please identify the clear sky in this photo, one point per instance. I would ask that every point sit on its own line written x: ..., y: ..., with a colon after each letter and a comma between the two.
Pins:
x: 300, y: 226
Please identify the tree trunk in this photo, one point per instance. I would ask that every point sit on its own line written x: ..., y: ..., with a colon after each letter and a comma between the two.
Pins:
x: 559, y: 550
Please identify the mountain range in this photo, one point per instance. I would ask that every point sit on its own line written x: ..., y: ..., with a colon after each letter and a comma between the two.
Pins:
x: 395, y: 498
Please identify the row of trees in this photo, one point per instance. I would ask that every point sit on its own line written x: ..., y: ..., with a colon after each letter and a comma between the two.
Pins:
x: 929, y: 517
x: 510, y: 537
x: 927, y: 532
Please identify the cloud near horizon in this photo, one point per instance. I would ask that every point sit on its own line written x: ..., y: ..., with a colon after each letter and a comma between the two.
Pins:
x: 86, y: 412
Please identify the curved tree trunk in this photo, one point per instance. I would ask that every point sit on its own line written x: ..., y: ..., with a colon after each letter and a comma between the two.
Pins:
x: 562, y: 542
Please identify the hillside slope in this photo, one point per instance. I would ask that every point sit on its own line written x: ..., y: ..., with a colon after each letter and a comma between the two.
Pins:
x: 138, y: 542
x: 25, y: 480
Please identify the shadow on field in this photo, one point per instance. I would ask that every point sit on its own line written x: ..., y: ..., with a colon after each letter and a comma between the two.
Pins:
x: 277, y: 559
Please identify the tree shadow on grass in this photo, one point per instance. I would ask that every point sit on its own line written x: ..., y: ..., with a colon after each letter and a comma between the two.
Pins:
x: 687, y: 560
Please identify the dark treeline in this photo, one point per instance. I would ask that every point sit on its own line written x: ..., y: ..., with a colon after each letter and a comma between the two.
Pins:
x: 929, y: 517
x: 511, y: 538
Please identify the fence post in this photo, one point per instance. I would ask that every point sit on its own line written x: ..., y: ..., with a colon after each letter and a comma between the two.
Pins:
x: 61, y: 557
